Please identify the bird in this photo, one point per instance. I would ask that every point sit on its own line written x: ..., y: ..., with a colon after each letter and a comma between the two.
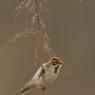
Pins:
x: 50, y: 71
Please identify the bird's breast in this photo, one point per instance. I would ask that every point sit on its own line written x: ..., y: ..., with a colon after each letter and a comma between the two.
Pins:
x: 50, y: 76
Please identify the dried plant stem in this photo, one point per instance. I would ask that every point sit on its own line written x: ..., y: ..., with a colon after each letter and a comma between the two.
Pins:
x: 40, y: 47
x: 40, y: 51
x: 38, y: 16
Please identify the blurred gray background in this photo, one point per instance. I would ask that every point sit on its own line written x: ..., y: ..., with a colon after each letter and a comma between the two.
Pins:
x: 71, y: 29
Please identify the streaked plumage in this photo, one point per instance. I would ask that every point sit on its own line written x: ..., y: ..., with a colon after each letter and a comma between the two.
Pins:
x: 51, y: 71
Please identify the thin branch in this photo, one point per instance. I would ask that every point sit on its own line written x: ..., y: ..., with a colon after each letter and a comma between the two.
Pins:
x: 40, y: 46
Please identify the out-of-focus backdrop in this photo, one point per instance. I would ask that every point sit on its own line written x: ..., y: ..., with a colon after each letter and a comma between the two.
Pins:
x: 70, y: 26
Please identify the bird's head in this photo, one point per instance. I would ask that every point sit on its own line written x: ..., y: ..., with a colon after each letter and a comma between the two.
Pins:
x: 55, y: 61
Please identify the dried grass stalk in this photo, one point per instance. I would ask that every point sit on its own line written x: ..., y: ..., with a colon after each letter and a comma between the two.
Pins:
x: 36, y: 25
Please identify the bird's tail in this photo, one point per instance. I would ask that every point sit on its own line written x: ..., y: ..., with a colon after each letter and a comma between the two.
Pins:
x: 23, y: 90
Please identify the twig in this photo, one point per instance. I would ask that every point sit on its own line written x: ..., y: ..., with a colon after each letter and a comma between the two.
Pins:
x: 40, y: 47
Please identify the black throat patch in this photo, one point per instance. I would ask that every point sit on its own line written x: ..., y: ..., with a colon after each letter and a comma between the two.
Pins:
x: 56, y: 69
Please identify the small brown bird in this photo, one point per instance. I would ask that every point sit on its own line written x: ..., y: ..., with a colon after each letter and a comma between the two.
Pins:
x: 51, y: 71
